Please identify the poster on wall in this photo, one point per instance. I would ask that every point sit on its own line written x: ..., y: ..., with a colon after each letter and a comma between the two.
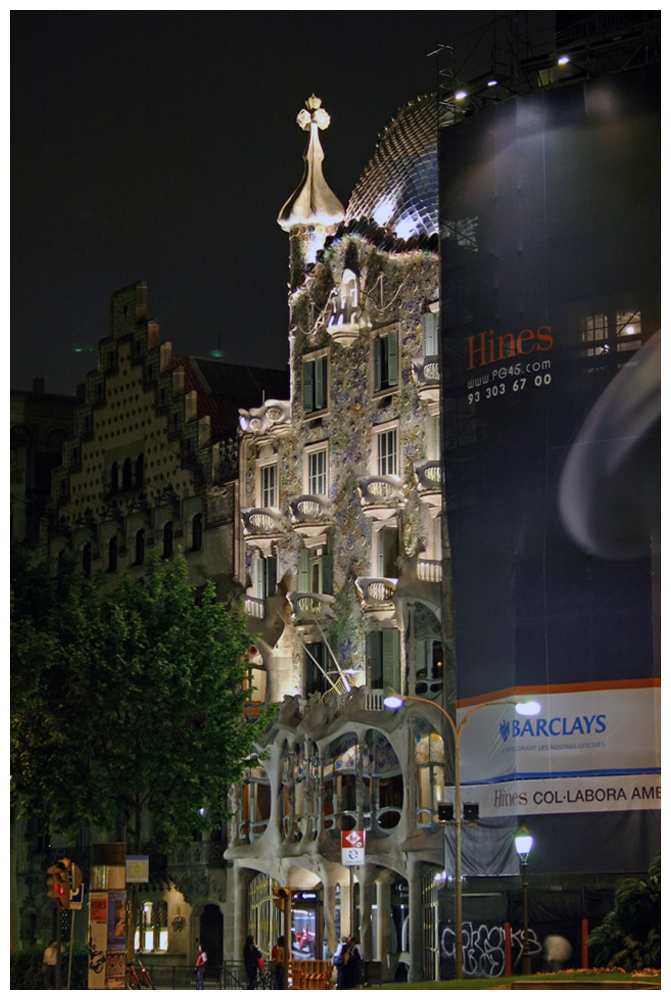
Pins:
x: 116, y: 940
x: 551, y: 340
x: 98, y: 906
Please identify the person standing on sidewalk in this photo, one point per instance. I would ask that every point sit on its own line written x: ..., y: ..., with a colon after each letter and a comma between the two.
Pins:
x: 201, y: 962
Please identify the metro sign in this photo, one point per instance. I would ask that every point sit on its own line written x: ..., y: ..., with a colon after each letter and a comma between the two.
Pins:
x: 353, y: 847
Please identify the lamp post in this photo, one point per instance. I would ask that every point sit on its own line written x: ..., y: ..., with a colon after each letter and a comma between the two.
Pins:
x: 395, y: 701
x: 523, y: 844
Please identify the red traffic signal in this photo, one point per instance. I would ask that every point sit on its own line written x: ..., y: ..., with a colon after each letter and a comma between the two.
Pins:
x: 58, y: 883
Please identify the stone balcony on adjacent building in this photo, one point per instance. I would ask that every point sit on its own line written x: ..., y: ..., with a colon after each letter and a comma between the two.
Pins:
x: 311, y: 515
x: 307, y: 608
x: 376, y: 595
x: 426, y: 371
x: 381, y: 496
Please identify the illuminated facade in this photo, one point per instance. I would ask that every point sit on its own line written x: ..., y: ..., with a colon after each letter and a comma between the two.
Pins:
x: 342, y: 561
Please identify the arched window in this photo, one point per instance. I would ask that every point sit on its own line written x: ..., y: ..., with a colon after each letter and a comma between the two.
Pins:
x: 372, y: 767
x: 86, y: 560
x: 430, y: 763
x: 341, y: 767
x: 383, y: 782
x: 255, y: 806
x: 291, y: 830
x: 301, y: 790
x: 428, y: 652
x: 139, y: 472
x: 151, y: 929
x: 114, y: 477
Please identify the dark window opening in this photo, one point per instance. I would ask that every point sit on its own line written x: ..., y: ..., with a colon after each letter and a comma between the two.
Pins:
x: 139, y: 547
x: 167, y: 539
x: 197, y: 533
x: 112, y: 554
x: 315, y: 384
x: 386, y: 361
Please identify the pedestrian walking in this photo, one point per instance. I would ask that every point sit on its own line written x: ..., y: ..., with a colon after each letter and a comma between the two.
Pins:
x: 201, y: 962
x: 49, y: 965
x: 557, y: 952
x: 339, y: 962
x: 278, y: 962
x: 251, y: 956
x: 354, y: 965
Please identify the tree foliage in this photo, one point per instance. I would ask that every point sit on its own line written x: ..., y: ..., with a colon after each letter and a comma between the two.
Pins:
x: 630, y: 936
x: 126, y: 703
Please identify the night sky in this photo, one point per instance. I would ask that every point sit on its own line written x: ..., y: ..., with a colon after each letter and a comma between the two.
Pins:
x: 161, y: 146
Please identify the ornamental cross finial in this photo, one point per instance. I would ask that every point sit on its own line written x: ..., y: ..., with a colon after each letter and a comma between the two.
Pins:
x: 315, y: 113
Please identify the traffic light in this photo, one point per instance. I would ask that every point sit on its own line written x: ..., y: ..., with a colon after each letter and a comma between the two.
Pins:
x: 58, y: 883
x: 445, y: 812
x: 281, y: 895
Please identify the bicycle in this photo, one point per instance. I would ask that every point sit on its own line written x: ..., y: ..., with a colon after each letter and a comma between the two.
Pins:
x: 135, y: 981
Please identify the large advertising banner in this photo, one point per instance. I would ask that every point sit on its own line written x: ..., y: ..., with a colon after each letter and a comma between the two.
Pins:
x: 550, y: 316
x: 594, y: 746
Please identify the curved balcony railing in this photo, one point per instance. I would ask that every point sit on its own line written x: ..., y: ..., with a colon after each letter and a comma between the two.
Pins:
x: 309, y: 507
x: 427, y: 375
x: 430, y: 475
x: 430, y: 478
x: 310, y: 514
x: 380, y: 496
x: 262, y: 521
x: 255, y: 607
x: 249, y: 831
x: 376, y: 593
x: 311, y: 607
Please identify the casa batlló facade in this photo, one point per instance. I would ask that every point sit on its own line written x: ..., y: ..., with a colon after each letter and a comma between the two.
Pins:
x: 340, y: 496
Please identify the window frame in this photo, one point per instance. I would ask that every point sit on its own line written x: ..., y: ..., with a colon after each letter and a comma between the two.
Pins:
x: 385, y: 360
x: 316, y: 375
x: 309, y: 479
x: 430, y: 333
x: 383, y: 659
x: 263, y: 489
x: 383, y: 432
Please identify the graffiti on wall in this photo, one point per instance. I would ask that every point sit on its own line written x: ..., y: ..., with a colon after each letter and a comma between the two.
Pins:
x: 485, y: 948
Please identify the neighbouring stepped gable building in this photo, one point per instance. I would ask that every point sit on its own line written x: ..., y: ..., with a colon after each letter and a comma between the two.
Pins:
x: 151, y: 460
x: 340, y: 500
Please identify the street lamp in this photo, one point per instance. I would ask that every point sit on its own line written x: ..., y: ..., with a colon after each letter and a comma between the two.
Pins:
x: 523, y: 844
x: 395, y: 701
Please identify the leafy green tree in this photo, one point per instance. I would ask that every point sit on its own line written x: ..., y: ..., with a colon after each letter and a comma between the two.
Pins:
x: 630, y: 936
x: 126, y: 704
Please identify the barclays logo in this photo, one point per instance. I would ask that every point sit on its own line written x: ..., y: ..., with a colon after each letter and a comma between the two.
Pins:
x: 583, y: 725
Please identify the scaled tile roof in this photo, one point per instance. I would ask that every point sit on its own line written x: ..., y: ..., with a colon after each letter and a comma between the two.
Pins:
x: 224, y: 388
x: 399, y: 187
